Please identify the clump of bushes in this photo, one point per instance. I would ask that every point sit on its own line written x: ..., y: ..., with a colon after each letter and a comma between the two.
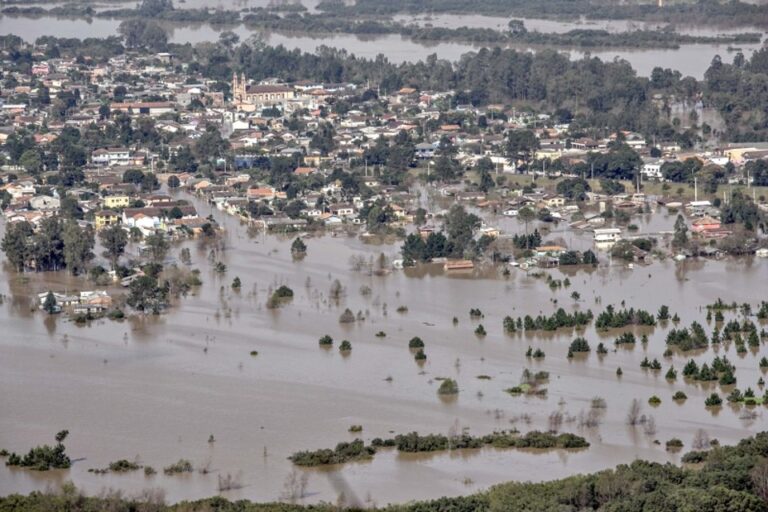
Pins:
x: 713, y: 400
x: 43, y: 458
x: 415, y: 343
x: 344, y: 452
x: 180, y: 466
x: 578, y: 345
x: 674, y: 445
x: 557, y: 320
x: 688, y: 339
x: 652, y: 365
x: 448, y: 387
x: 325, y: 341
x: 115, y: 314
x: 612, y: 318
x: 119, y: 466
x: 279, y: 296
x: 347, y: 317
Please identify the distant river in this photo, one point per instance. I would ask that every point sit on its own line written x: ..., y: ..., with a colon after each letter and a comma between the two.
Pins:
x: 690, y: 60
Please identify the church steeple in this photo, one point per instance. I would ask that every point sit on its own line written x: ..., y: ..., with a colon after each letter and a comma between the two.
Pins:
x: 238, y: 88
x: 235, y: 87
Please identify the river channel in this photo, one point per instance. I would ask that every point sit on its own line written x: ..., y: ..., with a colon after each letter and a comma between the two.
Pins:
x: 690, y: 60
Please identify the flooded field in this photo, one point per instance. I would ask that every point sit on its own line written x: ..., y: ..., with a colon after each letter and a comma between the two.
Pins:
x: 156, y: 388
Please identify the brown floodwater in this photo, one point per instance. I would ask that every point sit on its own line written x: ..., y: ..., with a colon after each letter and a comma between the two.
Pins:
x: 156, y: 388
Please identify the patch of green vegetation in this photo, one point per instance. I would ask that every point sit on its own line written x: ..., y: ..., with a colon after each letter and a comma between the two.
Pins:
x: 674, y: 444
x: 344, y: 452
x: 448, y: 387
x: 178, y: 467
x: 280, y: 296
x: 415, y: 343
x: 44, y: 457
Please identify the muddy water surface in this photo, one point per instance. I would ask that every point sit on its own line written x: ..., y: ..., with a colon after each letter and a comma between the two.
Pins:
x: 156, y: 388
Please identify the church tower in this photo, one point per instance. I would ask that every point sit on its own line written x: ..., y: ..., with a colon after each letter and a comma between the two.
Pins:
x: 238, y: 88
x: 235, y: 88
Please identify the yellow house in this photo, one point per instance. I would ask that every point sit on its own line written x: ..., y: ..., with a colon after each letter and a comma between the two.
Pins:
x: 117, y: 202
x: 106, y: 218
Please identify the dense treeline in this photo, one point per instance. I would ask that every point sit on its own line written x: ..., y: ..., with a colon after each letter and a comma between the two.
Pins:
x: 417, y: 443
x: 725, y: 479
x: 732, y: 13
x: 721, y: 370
x: 414, y: 442
x: 688, y: 339
x: 557, y: 320
x: 612, y: 318
x: 331, y: 23
x: 57, y: 244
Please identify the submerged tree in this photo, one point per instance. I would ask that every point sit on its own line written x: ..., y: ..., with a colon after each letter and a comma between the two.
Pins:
x: 50, y: 305
x: 448, y: 387
x: 114, y: 239
x: 680, y: 239
x: 298, y: 248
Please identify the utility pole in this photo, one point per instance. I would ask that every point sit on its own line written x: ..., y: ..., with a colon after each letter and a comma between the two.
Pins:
x: 695, y: 189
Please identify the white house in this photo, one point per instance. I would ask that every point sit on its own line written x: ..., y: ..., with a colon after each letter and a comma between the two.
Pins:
x: 607, y: 235
x: 652, y: 170
x: 111, y: 156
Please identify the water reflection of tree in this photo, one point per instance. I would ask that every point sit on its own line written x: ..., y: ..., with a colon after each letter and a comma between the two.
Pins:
x: 50, y: 324
x: 689, y: 265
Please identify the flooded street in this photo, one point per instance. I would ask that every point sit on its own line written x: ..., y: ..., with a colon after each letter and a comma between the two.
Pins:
x: 157, y: 388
